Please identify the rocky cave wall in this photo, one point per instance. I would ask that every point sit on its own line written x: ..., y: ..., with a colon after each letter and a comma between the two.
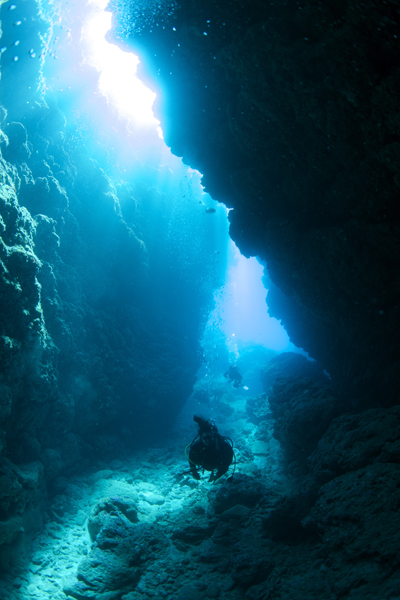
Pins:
x: 76, y: 341
x: 290, y: 110
x: 101, y: 306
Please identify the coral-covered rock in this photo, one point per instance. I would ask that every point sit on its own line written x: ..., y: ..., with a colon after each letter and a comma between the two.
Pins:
x: 110, y: 509
x: 22, y: 494
x: 258, y: 408
x: 249, y: 569
x: 241, y: 490
x: 17, y: 149
x: 117, y: 559
x: 355, y: 441
x: 290, y: 364
x: 194, y: 534
x: 357, y: 513
x: 303, y: 410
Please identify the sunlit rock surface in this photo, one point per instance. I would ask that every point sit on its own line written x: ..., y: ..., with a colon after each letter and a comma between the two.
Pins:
x: 290, y: 112
x: 81, y: 297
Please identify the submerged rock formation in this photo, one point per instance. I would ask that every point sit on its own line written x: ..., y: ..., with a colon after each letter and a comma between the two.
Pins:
x: 143, y: 528
x: 290, y: 112
x: 289, y: 109
x: 103, y: 294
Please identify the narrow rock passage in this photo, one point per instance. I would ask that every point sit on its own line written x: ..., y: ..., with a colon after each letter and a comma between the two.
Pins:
x: 191, y: 525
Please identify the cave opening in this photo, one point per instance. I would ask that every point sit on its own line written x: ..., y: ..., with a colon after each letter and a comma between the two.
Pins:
x: 116, y: 99
x: 140, y: 302
x: 147, y: 264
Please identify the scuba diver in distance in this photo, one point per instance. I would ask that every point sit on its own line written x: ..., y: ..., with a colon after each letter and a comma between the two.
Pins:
x: 209, y: 450
x: 233, y: 374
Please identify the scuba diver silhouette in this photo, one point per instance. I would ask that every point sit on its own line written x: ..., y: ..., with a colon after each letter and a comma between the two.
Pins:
x: 210, y: 451
x: 233, y: 374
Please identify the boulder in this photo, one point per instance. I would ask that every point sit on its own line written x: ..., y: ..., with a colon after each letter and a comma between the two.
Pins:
x: 116, y: 562
x: 109, y: 509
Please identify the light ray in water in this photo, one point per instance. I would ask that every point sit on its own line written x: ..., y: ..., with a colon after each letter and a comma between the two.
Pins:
x: 118, y: 80
x: 244, y: 309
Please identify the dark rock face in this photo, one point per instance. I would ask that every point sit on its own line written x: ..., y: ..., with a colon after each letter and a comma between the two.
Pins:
x: 353, y: 442
x: 300, y: 399
x: 21, y: 498
x: 249, y: 570
x: 343, y: 503
x: 290, y: 365
x: 243, y: 491
x: 356, y: 515
x: 289, y: 110
x: 358, y: 510
x: 303, y: 411
x: 193, y: 534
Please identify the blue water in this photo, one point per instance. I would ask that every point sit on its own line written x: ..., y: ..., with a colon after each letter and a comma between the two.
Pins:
x: 97, y: 100
x: 168, y: 275
x: 124, y: 302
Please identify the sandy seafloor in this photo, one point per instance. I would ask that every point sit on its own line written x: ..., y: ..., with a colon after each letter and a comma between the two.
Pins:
x: 162, y: 495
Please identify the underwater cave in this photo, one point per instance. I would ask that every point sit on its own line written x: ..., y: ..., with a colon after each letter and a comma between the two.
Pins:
x: 199, y: 300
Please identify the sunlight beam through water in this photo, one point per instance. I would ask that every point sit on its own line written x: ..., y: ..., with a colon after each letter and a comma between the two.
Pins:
x: 118, y: 81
